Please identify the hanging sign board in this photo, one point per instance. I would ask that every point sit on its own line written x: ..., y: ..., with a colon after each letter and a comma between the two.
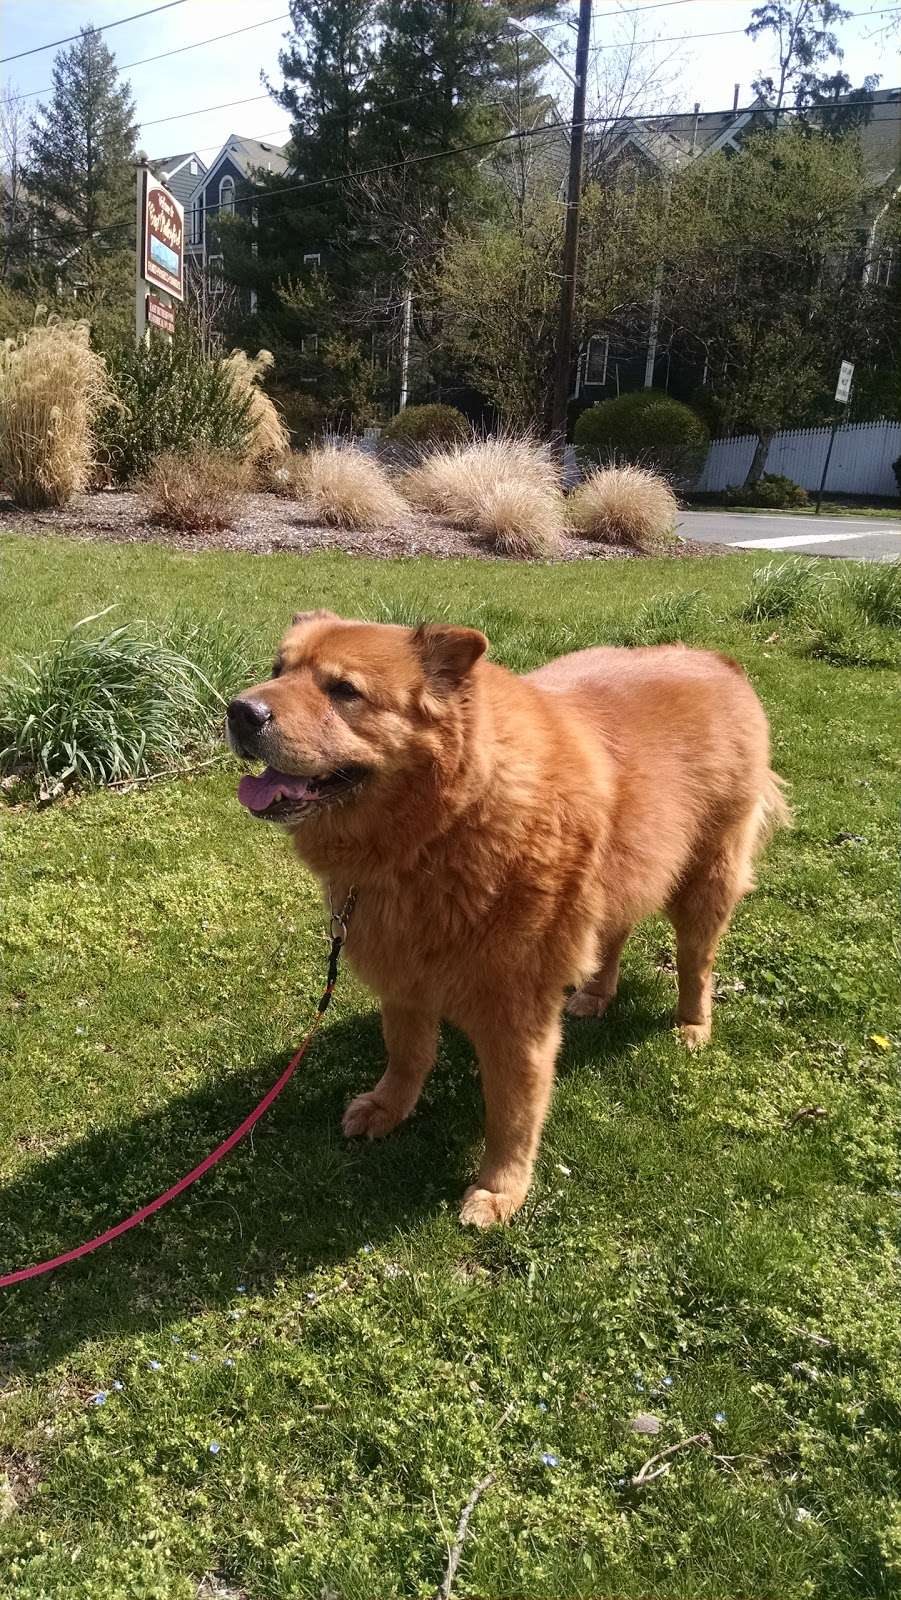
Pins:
x: 160, y: 314
x: 163, y: 255
x: 843, y: 388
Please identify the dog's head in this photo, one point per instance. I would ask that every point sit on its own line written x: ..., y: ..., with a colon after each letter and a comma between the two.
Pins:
x: 349, y: 708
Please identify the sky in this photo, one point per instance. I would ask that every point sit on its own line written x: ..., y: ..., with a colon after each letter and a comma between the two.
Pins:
x: 173, y: 96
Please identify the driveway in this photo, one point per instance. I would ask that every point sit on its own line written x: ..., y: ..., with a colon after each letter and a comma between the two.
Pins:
x: 856, y: 537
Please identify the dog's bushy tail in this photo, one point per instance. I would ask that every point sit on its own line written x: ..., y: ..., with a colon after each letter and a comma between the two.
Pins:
x: 773, y: 810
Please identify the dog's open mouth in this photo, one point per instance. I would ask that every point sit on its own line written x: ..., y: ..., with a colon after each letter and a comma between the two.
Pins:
x: 284, y: 796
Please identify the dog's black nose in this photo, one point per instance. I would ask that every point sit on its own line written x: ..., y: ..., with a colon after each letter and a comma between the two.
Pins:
x: 248, y: 716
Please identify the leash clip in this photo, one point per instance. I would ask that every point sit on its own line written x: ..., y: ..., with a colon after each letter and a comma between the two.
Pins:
x: 340, y: 919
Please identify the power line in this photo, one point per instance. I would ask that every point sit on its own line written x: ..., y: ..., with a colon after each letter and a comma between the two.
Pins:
x: 126, y: 66
x: 136, y: 17
x: 355, y: 174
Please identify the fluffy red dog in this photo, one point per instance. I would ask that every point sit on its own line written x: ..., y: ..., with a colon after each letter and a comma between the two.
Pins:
x: 504, y: 835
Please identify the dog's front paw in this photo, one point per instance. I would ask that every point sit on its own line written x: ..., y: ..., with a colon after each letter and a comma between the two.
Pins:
x: 370, y: 1117
x: 695, y: 1034
x: 482, y: 1208
x: 585, y: 1004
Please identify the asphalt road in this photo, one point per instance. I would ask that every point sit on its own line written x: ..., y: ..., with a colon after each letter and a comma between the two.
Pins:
x: 859, y: 538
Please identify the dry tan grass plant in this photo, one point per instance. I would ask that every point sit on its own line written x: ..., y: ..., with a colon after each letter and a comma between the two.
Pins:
x: 52, y: 385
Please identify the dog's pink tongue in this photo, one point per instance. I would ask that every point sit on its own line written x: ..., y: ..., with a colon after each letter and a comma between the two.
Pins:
x: 257, y: 793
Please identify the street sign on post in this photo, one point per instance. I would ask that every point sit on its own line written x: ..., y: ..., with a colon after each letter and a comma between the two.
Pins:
x: 843, y: 387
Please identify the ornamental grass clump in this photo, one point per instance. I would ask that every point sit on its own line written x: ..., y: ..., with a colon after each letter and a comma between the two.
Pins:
x: 51, y: 386
x: 504, y: 490
x: 270, y: 439
x: 202, y: 492
x: 345, y: 488
x: 625, y: 505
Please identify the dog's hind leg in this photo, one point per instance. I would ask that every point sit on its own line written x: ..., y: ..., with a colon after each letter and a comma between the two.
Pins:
x: 412, y: 1041
x: 595, y: 996
x: 517, y: 1072
x: 700, y: 913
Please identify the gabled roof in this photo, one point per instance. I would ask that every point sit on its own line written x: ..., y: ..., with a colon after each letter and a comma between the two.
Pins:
x: 249, y: 156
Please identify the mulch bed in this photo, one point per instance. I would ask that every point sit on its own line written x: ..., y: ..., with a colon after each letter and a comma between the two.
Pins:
x: 268, y: 524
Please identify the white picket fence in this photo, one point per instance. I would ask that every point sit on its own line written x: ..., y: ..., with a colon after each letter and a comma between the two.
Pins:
x: 861, y: 459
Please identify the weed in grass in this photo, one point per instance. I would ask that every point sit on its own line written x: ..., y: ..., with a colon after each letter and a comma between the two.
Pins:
x: 837, y: 633
x: 100, y: 709
x: 666, y: 619
x: 782, y: 589
x: 875, y: 588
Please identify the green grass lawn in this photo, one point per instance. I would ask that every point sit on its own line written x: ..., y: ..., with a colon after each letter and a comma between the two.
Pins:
x: 692, y: 1247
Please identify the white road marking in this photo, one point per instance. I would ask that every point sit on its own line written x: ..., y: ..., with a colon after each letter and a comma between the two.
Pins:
x: 792, y: 541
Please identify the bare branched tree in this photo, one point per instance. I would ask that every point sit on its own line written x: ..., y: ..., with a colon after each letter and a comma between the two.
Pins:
x: 13, y: 147
x: 212, y: 308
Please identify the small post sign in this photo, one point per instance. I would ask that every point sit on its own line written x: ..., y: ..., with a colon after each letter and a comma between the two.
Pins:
x: 843, y: 387
x: 160, y: 263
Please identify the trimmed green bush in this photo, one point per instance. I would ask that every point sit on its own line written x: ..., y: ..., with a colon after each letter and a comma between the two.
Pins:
x: 170, y: 397
x: 424, y: 425
x: 773, y: 491
x: 646, y: 428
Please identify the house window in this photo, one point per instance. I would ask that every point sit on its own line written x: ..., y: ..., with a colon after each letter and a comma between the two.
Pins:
x: 596, y: 364
x: 194, y: 169
x: 309, y: 344
x: 227, y: 196
x: 314, y: 259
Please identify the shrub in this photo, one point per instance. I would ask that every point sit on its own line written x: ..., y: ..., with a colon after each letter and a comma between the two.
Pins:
x: 270, y: 439
x: 98, y: 709
x: 348, y: 489
x: 781, y: 589
x: 896, y: 468
x: 420, y: 426
x: 772, y: 490
x: 625, y: 505
x: 51, y: 386
x: 505, y: 490
x: 202, y: 492
x: 875, y: 588
x: 304, y: 416
x: 646, y: 428
x: 172, y: 397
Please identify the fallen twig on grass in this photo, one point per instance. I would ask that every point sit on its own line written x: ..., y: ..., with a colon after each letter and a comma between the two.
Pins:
x: 645, y: 1475
x: 168, y: 772
x: 456, y: 1549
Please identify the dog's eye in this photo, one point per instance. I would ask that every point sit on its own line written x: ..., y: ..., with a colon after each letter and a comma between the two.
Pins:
x: 276, y: 670
x: 340, y: 689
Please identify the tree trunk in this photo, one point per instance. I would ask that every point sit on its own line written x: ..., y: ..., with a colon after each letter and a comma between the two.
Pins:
x: 755, y: 470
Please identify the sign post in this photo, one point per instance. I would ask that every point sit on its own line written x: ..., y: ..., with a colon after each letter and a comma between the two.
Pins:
x: 842, y: 396
x: 160, y: 255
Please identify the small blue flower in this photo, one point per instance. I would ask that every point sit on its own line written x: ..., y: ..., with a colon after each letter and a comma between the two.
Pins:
x: 620, y: 1483
x: 213, y: 1447
x: 154, y: 1366
x: 193, y: 1356
x: 99, y: 1399
x: 667, y: 1383
x: 311, y: 1297
x: 118, y: 1385
x: 235, y: 1316
x: 241, y: 1289
x: 175, y: 1339
x: 549, y: 1460
x: 542, y: 1406
x: 720, y: 1416
x: 639, y: 1386
x: 228, y: 1362
x: 367, y: 1249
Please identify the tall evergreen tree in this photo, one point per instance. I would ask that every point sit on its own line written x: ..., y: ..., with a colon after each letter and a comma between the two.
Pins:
x: 809, y: 74
x: 80, y: 174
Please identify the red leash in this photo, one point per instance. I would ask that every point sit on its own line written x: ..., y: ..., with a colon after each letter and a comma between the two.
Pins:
x: 339, y: 923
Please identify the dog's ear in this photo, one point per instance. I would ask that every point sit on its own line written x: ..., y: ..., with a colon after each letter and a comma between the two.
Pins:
x: 313, y: 616
x: 448, y: 654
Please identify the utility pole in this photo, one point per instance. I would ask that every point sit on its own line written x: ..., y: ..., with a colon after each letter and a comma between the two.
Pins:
x: 571, y: 236
x: 405, y: 349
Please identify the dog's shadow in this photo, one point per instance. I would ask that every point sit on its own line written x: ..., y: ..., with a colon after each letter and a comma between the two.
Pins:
x: 295, y: 1196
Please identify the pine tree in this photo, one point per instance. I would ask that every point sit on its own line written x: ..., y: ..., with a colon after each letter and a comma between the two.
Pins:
x: 80, y: 173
